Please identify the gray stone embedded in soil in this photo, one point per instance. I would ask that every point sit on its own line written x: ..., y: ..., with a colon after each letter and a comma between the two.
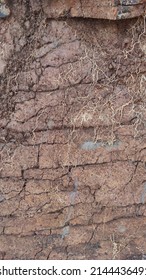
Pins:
x: 4, y: 10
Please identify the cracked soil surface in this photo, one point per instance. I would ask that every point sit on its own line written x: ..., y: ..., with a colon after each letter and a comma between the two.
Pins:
x: 72, y: 136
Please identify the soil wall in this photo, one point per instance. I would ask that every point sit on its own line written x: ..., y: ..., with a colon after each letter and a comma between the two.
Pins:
x: 72, y: 136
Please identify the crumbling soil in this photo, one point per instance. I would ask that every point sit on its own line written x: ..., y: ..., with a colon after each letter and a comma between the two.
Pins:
x: 72, y: 136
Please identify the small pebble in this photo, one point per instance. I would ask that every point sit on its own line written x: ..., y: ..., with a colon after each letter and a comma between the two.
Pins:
x: 4, y: 10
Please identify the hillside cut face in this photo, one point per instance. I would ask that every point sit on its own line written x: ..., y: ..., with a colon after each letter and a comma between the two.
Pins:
x: 72, y: 130
x: 106, y: 9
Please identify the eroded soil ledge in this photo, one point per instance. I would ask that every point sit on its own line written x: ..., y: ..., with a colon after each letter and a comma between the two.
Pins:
x: 72, y: 136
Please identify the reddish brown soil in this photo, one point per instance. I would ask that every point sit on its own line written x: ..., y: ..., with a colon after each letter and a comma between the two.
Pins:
x: 72, y: 136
